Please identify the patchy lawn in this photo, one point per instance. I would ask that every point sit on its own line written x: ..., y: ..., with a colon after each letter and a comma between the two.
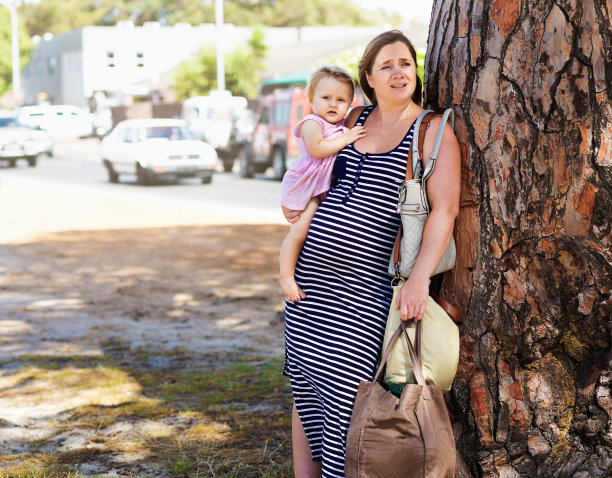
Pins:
x: 146, y: 353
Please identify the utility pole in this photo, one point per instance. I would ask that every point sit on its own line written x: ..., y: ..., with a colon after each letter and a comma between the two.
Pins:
x: 12, y: 7
x: 220, y: 45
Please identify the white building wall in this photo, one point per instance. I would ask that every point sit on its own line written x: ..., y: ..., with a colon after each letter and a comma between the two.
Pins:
x: 131, y: 59
x: 72, y: 79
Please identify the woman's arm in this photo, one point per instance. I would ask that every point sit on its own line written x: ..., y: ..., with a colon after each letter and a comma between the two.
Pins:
x: 443, y: 188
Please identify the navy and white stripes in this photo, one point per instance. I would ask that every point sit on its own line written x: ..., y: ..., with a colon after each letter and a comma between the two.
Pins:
x: 333, y: 337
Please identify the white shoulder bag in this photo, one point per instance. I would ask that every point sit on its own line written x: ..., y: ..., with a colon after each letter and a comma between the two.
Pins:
x: 413, y: 204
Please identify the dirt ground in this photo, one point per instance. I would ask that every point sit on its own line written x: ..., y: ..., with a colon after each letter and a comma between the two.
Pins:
x: 143, y: 352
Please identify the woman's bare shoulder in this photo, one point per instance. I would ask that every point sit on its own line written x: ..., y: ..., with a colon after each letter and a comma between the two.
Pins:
x: 353, y: 115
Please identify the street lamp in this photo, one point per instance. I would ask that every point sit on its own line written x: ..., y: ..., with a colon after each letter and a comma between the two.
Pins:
x: 220, y: 45
x: 12, y: 7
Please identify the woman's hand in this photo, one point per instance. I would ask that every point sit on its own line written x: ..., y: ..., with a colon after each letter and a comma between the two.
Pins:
x: 412, y: 298
x: 291, y: 215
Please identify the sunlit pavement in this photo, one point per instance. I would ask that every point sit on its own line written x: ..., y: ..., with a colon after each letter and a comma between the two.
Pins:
x: 39, y: 200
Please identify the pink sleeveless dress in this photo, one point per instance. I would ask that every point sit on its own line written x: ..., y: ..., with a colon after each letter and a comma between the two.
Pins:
x: 309, y: 177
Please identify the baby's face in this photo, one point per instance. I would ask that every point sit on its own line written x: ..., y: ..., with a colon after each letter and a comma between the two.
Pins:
x: 331, y: 99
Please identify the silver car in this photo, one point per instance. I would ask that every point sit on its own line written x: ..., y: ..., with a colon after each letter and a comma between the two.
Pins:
x: 156, y: 150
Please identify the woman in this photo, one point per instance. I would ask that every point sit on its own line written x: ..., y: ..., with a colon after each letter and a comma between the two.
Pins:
x: 333, y: 337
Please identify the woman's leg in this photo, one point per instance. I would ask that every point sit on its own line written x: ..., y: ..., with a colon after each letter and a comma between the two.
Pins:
x: 290, y: 251
x: 303, y: 464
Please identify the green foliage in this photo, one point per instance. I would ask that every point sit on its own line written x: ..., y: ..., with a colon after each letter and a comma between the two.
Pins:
x: 60, y: 16
x: 196, y: 77
x: 347, y: 60
x: 181, y: 466
x: 421, y: 64
x: 51, y: 16
x: 6, y: 58
x: 242, y: 68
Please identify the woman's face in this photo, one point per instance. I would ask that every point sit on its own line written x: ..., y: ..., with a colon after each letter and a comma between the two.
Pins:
x: 394, y: 73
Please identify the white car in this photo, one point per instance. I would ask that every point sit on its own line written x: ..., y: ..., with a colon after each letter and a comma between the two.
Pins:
x: 21, y: 142
x: 155, y: 150
x: 61, y: 121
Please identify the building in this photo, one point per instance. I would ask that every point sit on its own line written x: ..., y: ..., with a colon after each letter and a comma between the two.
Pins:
x: 127, y: 62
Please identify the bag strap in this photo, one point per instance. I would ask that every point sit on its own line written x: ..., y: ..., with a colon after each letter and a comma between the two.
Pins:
x: 449, y: 308
x: 431, y: 162
x: 415, y: 153
x: 414, y: 359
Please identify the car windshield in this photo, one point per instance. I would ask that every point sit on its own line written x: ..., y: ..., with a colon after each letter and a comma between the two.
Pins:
x: 166, y: 132
x: 7, y: 122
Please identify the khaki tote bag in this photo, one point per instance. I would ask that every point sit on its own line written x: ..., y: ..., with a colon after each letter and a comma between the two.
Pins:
x: 406, y: 437
x: 439, y: 352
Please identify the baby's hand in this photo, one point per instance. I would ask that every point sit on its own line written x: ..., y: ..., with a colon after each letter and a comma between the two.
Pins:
x: 355, y: 133
x: 291, y: 215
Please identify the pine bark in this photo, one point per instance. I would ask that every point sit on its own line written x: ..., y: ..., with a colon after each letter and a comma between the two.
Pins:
x: 530, y: 85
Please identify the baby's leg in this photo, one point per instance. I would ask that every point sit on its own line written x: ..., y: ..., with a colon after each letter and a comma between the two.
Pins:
x: 290, y: 251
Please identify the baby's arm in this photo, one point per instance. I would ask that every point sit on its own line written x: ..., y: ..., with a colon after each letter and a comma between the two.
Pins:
x: 312, y: 133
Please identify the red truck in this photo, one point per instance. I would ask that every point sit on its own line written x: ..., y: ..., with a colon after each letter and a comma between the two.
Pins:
x: 271, y: 142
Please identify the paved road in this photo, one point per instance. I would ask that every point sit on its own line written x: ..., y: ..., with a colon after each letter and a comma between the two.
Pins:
x: 71, y: 191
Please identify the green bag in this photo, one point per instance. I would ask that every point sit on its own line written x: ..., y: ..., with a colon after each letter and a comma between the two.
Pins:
x: 439, y: 350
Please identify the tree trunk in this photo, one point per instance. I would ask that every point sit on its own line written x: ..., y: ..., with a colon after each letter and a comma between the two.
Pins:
x: 530, y: 82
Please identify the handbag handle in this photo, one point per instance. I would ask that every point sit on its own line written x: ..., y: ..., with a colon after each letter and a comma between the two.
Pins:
x: 416, y: 361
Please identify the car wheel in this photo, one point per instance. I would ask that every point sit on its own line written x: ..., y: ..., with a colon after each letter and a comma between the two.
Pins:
x: 32, y: 161
x: 207, y: 180
x: 113, y: 176
x: 143, y: 177
x: 12, y: 163
x: 278, y: 163
x: 246, y: 167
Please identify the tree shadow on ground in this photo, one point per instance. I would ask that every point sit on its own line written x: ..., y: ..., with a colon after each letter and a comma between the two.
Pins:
x: 150, y: 352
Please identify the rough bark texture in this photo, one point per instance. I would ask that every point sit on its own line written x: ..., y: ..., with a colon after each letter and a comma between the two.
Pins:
x: 530, y: 85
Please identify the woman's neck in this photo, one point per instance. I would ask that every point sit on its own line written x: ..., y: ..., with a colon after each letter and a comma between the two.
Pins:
x: 392, y: 113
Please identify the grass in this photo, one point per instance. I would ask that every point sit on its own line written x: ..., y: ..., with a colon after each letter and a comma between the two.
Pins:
x: 189, y: 421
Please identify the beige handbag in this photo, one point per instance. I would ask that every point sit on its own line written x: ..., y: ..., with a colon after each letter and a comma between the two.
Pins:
x: 405, y: 437
x: 438, y: 352
x: 413, y: 204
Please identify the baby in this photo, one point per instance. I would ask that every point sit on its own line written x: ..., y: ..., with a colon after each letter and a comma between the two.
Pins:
x: 319, y: 137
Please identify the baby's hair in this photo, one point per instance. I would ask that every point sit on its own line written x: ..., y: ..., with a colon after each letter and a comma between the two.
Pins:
x: 332, y: 71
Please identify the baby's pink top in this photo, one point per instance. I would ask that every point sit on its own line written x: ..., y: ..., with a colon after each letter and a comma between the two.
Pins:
x: 309, y: 177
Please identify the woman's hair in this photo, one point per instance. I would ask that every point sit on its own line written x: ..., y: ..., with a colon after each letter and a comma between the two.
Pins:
x: 369, y: 55
x: 333, y: 72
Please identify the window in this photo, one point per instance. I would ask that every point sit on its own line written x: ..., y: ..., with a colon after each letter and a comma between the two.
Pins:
x: 300, y: 112
x: 51, y: 65
x: 164, y: 132
x: 265, y: 115
x: 282, y: 112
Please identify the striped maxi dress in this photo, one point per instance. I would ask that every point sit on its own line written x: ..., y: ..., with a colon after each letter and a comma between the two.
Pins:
x: 333, y: 337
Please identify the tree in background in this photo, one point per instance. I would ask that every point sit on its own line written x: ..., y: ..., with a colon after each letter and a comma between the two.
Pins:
x: 6, y: 58
x: 529, y: 83
x: 242, y: 69
x: 61, y: 16
x: 51, y: 16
